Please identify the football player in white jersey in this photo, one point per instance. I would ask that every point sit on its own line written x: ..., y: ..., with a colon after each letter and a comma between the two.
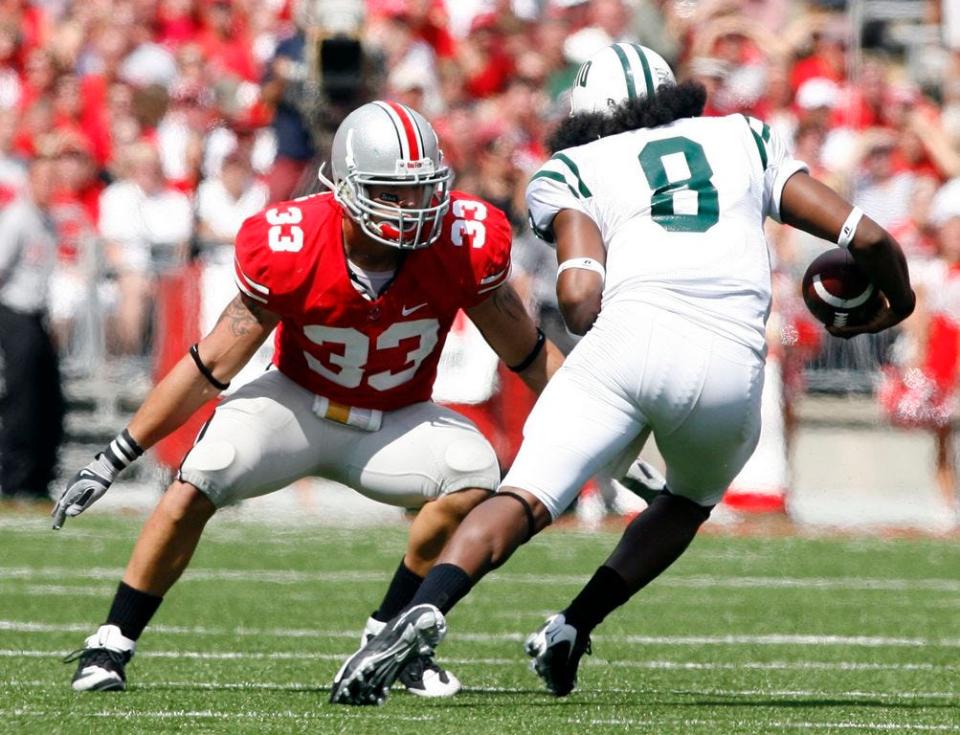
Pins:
x: 657, y: 217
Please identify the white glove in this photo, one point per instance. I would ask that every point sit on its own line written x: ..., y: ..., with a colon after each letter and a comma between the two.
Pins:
x: 83, y: 490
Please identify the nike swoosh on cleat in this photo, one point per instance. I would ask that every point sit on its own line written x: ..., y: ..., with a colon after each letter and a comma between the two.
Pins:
x: 408, y: 310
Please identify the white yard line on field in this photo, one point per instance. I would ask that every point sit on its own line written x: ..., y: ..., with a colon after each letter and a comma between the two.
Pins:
x: 367, y: 714
x: 781, y: 693
x: 650, y: 664
x: 285, y: 576
x: 769, y: 726
x: 773, y: 639
x: 339, y: 714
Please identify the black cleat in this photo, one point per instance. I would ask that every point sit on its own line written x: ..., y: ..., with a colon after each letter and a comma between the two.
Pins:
x: 422, y: 675
x: 556, y: 649
x: 102, y: 661
x: 366, y: 676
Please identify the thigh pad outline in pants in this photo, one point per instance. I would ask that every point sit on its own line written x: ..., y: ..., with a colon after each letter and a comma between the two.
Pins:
x: 266, y: 436
x: 421, y: 452
x: 260, y: 439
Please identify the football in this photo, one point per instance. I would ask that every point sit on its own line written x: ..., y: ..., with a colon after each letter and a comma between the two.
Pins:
x: 837, y: 292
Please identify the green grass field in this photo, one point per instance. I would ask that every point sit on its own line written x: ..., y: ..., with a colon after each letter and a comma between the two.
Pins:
x: 743, y: 635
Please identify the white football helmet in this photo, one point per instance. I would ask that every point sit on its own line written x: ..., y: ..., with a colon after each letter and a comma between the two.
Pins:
x: 616, y: 73
x: 388, y: 145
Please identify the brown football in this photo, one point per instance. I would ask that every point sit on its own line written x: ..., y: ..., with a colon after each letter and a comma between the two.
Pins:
x: 837, y: 292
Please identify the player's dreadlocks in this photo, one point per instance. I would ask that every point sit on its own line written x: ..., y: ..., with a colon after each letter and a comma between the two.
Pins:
x: 670, y: 103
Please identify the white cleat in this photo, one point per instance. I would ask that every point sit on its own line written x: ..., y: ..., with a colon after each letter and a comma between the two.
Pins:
x: 102, y: 660
x: 556, y: 649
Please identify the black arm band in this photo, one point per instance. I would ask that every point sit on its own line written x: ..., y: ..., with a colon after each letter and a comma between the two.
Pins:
x: 527, y: 511
x: 534, y: 354
x: 205, y: 371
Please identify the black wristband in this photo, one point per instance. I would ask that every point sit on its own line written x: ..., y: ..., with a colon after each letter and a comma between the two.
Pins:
x: 205, y: 371
x: 534, y: 353
x: 122, y: 450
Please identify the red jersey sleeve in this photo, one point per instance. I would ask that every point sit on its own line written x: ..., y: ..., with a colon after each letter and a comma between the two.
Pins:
x: 485, y: 231
x: 269, y: 266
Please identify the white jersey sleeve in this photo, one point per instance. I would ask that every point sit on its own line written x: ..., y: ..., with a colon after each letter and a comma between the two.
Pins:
x: 777, y: 162
x: 557, y: 185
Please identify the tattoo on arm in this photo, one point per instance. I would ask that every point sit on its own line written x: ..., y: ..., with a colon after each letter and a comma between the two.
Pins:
x: 243, y: 316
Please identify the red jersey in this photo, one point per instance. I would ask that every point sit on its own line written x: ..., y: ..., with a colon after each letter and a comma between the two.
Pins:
x: 379, y: 353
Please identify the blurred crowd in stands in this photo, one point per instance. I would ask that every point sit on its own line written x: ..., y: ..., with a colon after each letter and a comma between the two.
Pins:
x: 170, y: 121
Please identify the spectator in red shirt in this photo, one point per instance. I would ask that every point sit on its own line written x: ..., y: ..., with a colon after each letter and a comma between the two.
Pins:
x: 225, y: 40
x: 11, y: 87
x: 35, y: 121
x: 828, y: 51
x: 923, y: 147
x: 107, y: 48
x: 915, y: 233
x: 863, y: 105
x: 31, y: 21
x: 429, y: 22
x: 485, y: 63
x: 177, y: 22
x: 39, y: 76
x: 74, y: 115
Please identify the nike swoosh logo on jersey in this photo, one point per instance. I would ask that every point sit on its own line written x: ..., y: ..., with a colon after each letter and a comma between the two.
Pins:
x: 408, y: 310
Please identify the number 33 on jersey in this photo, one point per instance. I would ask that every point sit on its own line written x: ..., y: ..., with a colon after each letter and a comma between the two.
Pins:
x: 334, y: 342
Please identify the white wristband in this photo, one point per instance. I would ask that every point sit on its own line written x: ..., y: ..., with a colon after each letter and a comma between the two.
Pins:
x: 849, y: 228
x: 587, y: 264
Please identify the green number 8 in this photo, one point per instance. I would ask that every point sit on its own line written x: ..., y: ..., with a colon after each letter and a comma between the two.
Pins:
x: 662, y: 200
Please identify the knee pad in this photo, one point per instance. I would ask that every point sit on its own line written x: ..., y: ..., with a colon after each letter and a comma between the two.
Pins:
x: 469, y: 462
x: 208, y: 467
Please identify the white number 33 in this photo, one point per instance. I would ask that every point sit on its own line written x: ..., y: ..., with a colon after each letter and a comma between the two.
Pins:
x: 285, y: 235
x: 469, y: 227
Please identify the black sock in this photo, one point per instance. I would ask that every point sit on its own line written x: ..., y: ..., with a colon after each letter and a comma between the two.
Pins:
x: 604, y: 593
x: 444, y: 586
x: 650, y: 544
x: 131, y: 610
x: 403, y: 587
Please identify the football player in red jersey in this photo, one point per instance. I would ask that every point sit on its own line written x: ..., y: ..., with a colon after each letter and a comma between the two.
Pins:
x: 362, y: 285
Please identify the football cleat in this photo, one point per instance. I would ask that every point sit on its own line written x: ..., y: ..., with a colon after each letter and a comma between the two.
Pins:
x: 644, y: 481
x: 102, y: 660
x: 365, y: 677
x: 423, y: 676
x: 556, y: 649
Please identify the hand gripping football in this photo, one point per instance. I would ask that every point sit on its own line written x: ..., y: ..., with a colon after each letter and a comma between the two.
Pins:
x: 837, y: 292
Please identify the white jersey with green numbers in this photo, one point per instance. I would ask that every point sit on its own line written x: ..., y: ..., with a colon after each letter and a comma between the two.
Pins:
x: 681, y: 210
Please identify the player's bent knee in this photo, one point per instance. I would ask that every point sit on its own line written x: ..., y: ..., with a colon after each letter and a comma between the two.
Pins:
x: 501, y: 524
x: 459, y: 503
x: 185, y: 503
x: 686, y: 507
